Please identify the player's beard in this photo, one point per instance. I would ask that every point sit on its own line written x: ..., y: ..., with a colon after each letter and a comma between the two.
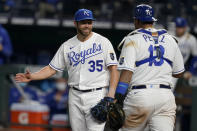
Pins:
x: 180, y: 31
x: 83, y: 32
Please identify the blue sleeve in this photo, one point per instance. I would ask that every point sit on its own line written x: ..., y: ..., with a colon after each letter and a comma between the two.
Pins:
x: 7, y: 45
x: 193, y: 66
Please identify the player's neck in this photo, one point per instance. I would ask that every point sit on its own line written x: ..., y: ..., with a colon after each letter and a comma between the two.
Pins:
x: 83, y: 38
x: 146, y: 26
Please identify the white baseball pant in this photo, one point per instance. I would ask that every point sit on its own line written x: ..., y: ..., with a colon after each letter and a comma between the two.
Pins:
x: 80, y: 104
x: 152, y: 106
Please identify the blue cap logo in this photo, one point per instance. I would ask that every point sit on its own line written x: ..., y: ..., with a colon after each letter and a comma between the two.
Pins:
x: 148, y: 12
x: 84, y: 14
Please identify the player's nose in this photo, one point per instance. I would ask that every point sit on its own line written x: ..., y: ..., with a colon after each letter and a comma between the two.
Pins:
x: 86, y: 25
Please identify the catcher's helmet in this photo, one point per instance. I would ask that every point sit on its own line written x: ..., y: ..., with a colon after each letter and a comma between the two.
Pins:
x: 84, y: 14
x: 180, y: 22
x: 144, y: 13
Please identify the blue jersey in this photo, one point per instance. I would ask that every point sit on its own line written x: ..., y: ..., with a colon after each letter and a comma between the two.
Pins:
x: 55, y: 106
x: 6, y: 44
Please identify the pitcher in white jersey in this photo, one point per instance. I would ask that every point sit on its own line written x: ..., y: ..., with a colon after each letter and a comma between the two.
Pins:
x: 92, y: 69
x: 187, y: 44
x: 149, y: 59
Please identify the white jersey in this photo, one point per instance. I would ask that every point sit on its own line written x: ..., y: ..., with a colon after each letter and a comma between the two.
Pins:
x: 188, y: 46
x: 140, y: 46
x: 86, y: 62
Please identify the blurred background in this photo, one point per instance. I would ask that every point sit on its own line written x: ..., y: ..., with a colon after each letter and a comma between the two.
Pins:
x: 31, y: 31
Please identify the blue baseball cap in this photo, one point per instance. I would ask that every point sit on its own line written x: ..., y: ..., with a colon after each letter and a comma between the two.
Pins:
x: 180, y: 22
x: 144, y: 13
x: 84, y: 14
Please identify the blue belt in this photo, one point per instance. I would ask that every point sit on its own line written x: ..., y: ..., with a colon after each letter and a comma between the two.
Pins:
x: 144, y: 86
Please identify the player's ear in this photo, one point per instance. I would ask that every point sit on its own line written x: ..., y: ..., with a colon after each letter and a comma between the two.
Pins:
x: 138, y: 22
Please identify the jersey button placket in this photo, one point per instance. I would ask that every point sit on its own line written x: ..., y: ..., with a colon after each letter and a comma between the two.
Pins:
x: 80, y: 65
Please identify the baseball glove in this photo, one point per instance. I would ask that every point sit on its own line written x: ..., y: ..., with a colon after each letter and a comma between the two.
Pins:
x: 116, y: 116
x: 100, y: 111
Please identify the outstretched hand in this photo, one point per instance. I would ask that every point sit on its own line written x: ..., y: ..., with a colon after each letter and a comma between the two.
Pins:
x: 23, y: 77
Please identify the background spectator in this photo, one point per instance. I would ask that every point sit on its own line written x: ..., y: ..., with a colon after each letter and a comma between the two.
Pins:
x: 49, y: 8
x: 16, y: 97
x: 58, y: 98
x: 5, y: 45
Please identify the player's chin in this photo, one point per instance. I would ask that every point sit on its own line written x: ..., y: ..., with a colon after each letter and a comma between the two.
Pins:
x: 86, y: 32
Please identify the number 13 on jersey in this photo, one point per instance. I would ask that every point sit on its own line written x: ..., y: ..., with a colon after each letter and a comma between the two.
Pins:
x: 156, y: 62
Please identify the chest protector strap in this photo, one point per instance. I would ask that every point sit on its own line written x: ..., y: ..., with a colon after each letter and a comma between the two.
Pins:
x: 155, y: 36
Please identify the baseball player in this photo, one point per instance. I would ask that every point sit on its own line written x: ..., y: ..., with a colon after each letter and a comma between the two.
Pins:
x: 148, y: 60
x: 187, y: 44
x: 92, y: 68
